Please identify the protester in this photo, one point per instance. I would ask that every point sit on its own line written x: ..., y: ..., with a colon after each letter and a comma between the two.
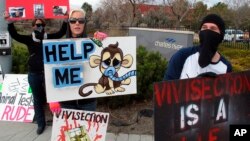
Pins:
x: 202, y: 60
x: 77, y: 29
x: 35, y: 62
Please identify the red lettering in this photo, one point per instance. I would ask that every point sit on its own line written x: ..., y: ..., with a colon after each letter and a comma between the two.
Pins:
x: 187, y: 94
x: 218, y: 86
x: 29, y: 115
x: 238, y: 84
x: 158, y: 94
x: 183, y: 139
x: 247, y: 83
x: 175, y: 92
x: 164, y: 92
x: 206, y: 89
x: 167, y: 86
x: 13, y: 115
x: 97, y: 137
x: 196, y: 90
x: 231, y: 86
x: 211, y: 136
x: 19, y: 113
x: 6, y: 112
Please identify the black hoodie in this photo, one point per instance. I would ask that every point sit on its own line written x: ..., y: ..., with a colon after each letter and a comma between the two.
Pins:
x: 35, y: 62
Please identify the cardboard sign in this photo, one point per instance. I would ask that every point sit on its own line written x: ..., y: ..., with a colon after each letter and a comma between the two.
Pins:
x: 16, y: 100
x: 31, y: 9
x: 81, y: 125
x: 201, y: 109
x: 4, y: 40
x: 78, y: 69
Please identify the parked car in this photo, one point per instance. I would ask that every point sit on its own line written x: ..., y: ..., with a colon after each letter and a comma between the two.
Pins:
x: 233, y: 35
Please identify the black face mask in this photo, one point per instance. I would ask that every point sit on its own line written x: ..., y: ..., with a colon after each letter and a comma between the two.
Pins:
x: 209, y: 42
x: 39, y: 32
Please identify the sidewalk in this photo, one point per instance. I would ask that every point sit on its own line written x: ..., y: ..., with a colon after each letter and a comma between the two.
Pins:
x: 16, y: 131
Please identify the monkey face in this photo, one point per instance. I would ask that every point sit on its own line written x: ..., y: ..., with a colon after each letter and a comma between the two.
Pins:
x: 110, y: 61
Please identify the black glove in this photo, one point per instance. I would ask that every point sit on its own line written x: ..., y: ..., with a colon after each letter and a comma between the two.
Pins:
x: 39, y: 35
x: 39, y: 32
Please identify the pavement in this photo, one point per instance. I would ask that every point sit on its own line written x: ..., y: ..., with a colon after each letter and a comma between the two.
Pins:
x: 18, y: 131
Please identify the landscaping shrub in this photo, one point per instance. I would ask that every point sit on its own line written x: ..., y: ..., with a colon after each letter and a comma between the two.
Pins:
x: 19, y: 58
x: 238, y: 57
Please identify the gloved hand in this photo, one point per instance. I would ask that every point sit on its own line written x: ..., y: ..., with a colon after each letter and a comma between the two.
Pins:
x: 55, y: 107
x: 100, y: 35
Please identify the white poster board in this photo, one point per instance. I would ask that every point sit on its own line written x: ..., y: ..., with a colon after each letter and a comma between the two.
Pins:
x: 71, y: 125
x: 16, y: 100
x: 74, y: 67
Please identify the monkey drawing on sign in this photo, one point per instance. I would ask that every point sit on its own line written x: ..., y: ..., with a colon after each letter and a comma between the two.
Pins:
x: 110, y: 62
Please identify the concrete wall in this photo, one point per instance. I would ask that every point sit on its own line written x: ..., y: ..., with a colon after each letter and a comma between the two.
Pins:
x: 167, y: 42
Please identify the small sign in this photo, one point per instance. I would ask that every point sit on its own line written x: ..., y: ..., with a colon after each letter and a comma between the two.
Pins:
x: 74, y: 125
x: 31, y: 9
x: 4, y: 40
x: 16, y: 101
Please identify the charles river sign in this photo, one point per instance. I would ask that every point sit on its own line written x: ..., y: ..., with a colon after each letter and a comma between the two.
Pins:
x: 167, y: 42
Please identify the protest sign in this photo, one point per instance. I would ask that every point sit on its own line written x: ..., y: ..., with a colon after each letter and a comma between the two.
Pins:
x: 81, y: 125
x: 79, y: 69
x: 16, y: 100
x: 201, y: 109
x: 31, y: 9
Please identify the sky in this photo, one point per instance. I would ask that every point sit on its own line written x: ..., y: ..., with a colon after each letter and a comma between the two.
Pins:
x: 96, y: 3
x: 210, y: 3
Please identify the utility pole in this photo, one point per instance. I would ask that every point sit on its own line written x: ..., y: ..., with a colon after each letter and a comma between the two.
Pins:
x: 5, y: 43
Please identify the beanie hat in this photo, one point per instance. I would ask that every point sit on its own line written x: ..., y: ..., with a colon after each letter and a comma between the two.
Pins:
x: 216, y: 19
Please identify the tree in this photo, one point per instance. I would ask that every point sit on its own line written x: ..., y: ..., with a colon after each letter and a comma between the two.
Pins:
x: 112, y: 11
x: 98, y: 17
x: 134, y: 4
x: 236, y: 14
x: 222, y: 10
x: 154, y: 18
x: 180, y: 9
x: 245, y: 12
x: 88, y: 8
x: 199, y: 11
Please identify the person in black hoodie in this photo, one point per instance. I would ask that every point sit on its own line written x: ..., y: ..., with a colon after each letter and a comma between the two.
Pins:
x: 76, y: 29
x: 35, y: 63
x: 204, y: 59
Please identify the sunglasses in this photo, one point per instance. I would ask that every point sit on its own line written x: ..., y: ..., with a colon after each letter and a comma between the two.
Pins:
x: 39, y: 25
x: 74, y: 20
